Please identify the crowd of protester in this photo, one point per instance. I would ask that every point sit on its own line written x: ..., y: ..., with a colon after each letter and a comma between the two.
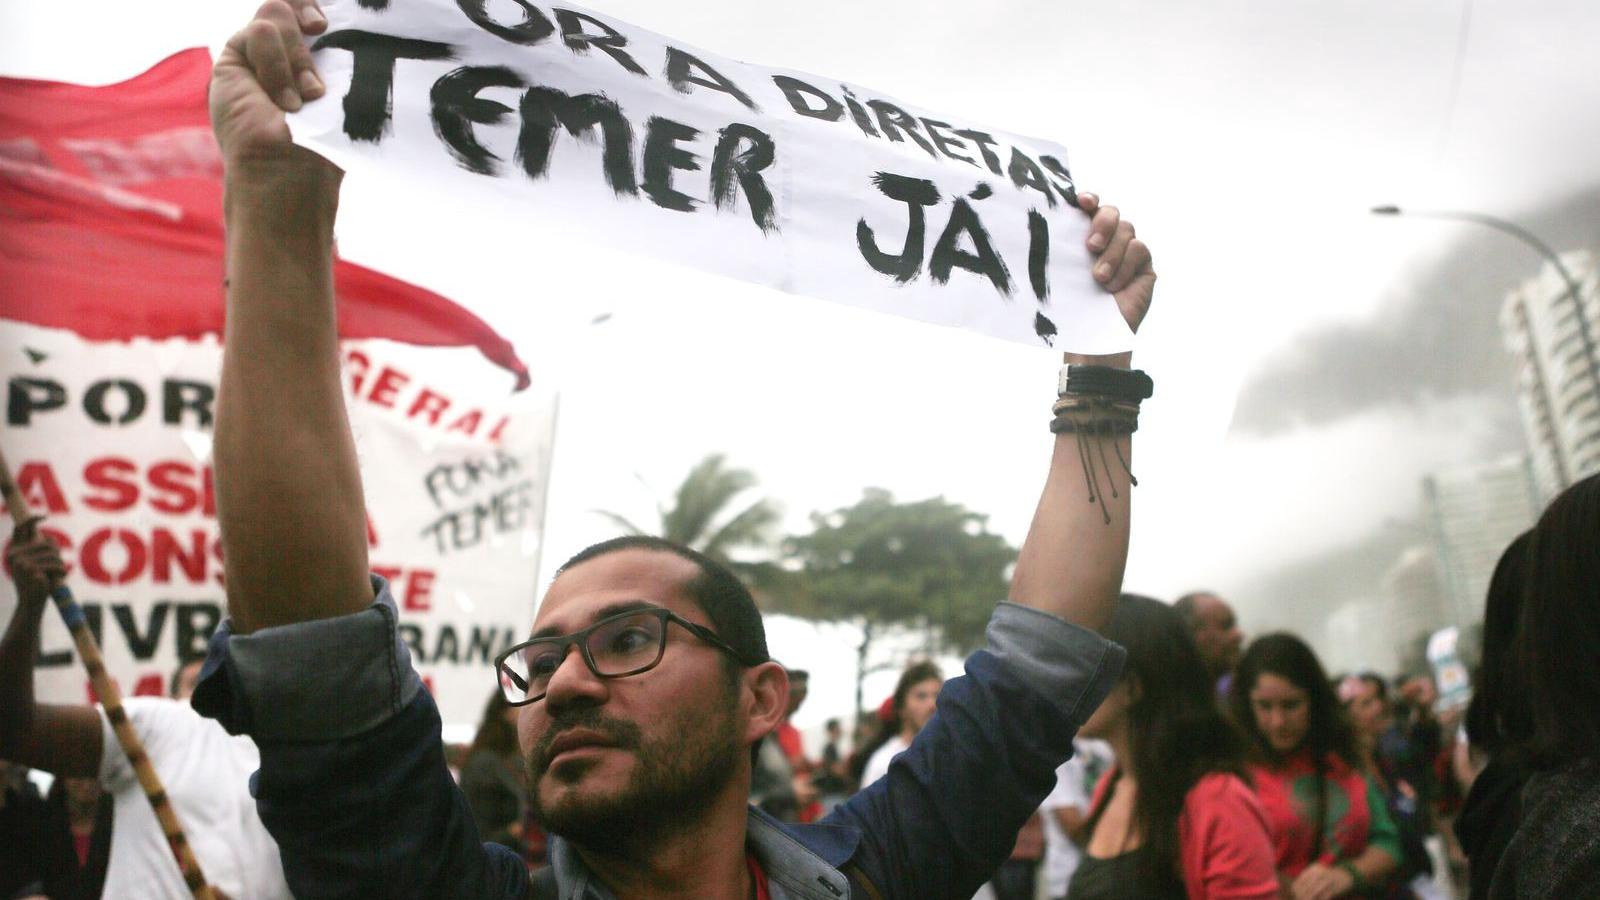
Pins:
x: 1214, y: 768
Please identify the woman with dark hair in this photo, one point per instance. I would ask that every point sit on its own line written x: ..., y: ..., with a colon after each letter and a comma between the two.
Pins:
x: 1555, y: 851
x: 492, y: 777
x: 1332, y: 834
x: 1175, y: 815
x: 915, y: 698
x: 1495, y: 718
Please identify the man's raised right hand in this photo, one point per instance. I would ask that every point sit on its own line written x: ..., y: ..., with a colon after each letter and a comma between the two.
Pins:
x: 264, y: 71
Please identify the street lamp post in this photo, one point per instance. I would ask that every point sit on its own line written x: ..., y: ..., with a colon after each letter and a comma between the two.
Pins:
x: 1585, y: 335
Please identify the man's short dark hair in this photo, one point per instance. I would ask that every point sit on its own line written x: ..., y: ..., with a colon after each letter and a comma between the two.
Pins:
x: 716, y: 590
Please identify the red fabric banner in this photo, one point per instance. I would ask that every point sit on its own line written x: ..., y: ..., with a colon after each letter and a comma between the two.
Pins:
x: 111, y: 221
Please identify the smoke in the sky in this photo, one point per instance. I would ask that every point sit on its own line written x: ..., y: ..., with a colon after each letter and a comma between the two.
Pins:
x: 1439, y: 337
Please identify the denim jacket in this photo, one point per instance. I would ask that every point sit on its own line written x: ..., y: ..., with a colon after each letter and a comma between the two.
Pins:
x: 354, y: 787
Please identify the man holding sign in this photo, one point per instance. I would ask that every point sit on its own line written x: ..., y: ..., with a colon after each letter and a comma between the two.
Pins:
x: 646, y: 681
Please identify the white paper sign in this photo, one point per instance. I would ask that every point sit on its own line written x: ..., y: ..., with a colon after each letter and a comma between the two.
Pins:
x: 111, y: 442
x: 530, y: 111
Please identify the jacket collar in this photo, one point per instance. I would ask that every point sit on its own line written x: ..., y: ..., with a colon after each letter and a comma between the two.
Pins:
x: 802, y: 862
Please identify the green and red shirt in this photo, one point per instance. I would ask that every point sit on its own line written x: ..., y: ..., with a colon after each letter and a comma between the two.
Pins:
x: 1353, y: 819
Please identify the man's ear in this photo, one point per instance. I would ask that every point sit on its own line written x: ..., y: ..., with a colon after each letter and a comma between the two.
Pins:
x: 766, y: 699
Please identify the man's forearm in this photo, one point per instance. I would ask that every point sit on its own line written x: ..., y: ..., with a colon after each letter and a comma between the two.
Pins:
x: 1072, y: 560
x: 289, y: 493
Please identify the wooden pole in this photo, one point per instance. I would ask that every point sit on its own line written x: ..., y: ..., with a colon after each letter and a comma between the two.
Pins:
x: 111, y: 699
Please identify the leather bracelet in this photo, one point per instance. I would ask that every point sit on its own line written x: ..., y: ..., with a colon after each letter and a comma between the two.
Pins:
x: 1075, y: 402
x: 1105, y: 381
x: 1105, y: 427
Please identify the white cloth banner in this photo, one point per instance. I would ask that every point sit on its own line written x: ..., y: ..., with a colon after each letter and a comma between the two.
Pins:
x: 111, y: 442
x: 631, y: 140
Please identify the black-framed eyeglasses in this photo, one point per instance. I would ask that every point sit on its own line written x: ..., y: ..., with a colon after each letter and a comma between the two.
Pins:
x: 617, y: 646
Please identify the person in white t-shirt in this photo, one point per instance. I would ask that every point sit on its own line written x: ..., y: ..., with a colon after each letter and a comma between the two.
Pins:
x: 915, y: 698
x: 1066, y: 810
x: 204, y: 770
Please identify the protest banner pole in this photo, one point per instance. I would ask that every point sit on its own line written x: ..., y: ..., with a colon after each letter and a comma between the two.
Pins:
x: 111, y: 698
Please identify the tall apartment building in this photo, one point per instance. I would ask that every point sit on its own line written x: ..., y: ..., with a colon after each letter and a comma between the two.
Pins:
x: 1417, y: 602
x: 1556, y: 345
x: 1473, y: 513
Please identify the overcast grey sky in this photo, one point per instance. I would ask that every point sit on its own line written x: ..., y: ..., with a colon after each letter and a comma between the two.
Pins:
x: 1245, y: 139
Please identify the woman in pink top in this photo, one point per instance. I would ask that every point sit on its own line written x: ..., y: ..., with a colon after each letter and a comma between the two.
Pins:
x: 1175, y: 816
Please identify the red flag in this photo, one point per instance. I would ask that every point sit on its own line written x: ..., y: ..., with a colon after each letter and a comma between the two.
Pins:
x: 111, y: 221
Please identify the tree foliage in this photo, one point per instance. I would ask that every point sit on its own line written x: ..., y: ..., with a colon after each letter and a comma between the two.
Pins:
x: 931, y: 564
x: 705, y: 513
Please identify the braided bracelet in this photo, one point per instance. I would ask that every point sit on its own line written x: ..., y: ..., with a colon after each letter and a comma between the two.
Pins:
x: 1115, y: 408
x: 1102, y: 401
x: 1081, y: 428
x: 1068, y: 425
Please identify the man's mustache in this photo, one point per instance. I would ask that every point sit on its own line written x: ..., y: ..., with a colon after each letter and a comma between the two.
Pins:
x: 616, y: 732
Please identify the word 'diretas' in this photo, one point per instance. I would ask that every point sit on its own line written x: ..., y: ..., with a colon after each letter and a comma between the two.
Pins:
x: 797, y: 179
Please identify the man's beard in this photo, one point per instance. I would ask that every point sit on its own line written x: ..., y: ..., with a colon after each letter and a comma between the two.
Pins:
x: 674, y: 780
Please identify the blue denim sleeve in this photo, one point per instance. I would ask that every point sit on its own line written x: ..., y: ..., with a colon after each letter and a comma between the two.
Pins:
x: 353, y: 784
x: 948, y: 812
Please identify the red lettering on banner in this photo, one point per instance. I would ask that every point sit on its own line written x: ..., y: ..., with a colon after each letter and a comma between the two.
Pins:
x: 429, y: 404
x: 388, y: 384
x: 419, y: 591
x: 165, y: 550
x: 372, y: 532
x: 412, y: 587
x: 392, y: 388
x: 171, y: 487
x: 93, y: 556
x: 38, y: 484
x: 357, y: 363
x: 216, y: 554
x: 113, y: 556
x: 467, y: 424
x: 172, y: 477
x: 103, y: 475
x: 208, y: 491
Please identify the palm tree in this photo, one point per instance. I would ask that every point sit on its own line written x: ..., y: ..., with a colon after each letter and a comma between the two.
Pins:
x: 699, y: 516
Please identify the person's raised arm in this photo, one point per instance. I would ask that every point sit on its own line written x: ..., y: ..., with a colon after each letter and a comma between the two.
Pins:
x: 288, y: 488
x: 65, y: 740
x: 948, y: 811
x: 1072, y: 559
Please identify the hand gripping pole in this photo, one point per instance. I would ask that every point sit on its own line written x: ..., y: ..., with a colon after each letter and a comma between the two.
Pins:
x: 111, y: 698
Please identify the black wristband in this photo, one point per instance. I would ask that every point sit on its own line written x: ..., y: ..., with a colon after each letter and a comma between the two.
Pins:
x: 1106, y: 381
